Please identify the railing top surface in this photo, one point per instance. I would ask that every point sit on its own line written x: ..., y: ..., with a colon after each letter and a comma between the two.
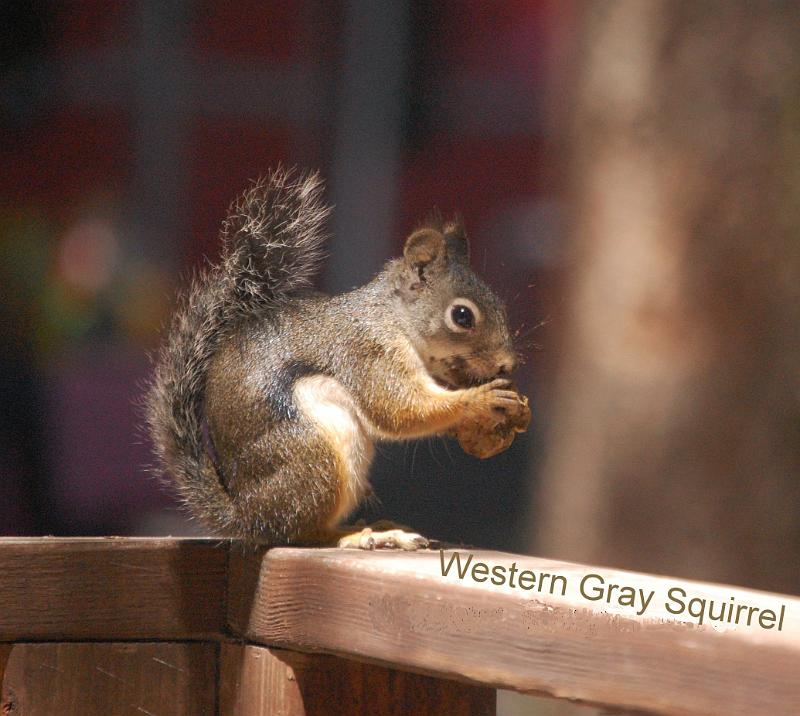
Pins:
x: 399, y: 609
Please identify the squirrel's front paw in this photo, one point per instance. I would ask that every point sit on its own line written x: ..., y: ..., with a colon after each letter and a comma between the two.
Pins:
x: 389, y: 539
x: 495, y: 399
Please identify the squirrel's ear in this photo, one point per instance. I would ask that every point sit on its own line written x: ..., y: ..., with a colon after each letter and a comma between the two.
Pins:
x: 456, y: 240
x: 424, y: 250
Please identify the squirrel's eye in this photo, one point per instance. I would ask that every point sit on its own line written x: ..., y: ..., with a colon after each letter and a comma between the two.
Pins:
x: 461, y: 315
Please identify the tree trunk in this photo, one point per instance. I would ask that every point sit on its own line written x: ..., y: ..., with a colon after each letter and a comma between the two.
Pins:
x: 675, y: 437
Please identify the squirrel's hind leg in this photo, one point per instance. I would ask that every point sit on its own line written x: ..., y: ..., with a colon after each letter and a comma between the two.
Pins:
x: 334, y: 415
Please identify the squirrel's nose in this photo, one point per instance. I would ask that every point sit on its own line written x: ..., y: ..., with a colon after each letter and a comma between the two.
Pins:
x: 507, y: 364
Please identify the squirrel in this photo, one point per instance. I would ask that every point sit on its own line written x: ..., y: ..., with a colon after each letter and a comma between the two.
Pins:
x: 267, y: 396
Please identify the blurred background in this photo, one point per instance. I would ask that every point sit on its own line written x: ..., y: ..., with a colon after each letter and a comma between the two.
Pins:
x: 629, y: 174
x: 126, y: 130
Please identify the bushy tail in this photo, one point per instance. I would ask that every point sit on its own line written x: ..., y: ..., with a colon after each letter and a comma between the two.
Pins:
x: 272, y: 247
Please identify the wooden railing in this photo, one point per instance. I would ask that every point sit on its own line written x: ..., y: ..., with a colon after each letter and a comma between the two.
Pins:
x: 174, y: 626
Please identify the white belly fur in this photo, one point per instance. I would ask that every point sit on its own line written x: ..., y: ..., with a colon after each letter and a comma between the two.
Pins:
x: 329, y: 405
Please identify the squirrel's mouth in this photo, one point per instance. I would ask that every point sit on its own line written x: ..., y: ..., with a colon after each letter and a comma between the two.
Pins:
x: 457, y: 372
x: 460, y: 380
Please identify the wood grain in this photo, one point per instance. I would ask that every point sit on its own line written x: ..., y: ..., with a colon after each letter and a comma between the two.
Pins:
x: 110, y: 588
x: 93, y: 679
x: 397, y: 609
x: 5, y: 652
x: 258, y: 681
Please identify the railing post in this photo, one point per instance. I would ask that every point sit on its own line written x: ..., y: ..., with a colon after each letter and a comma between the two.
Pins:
x: 259, y: 681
